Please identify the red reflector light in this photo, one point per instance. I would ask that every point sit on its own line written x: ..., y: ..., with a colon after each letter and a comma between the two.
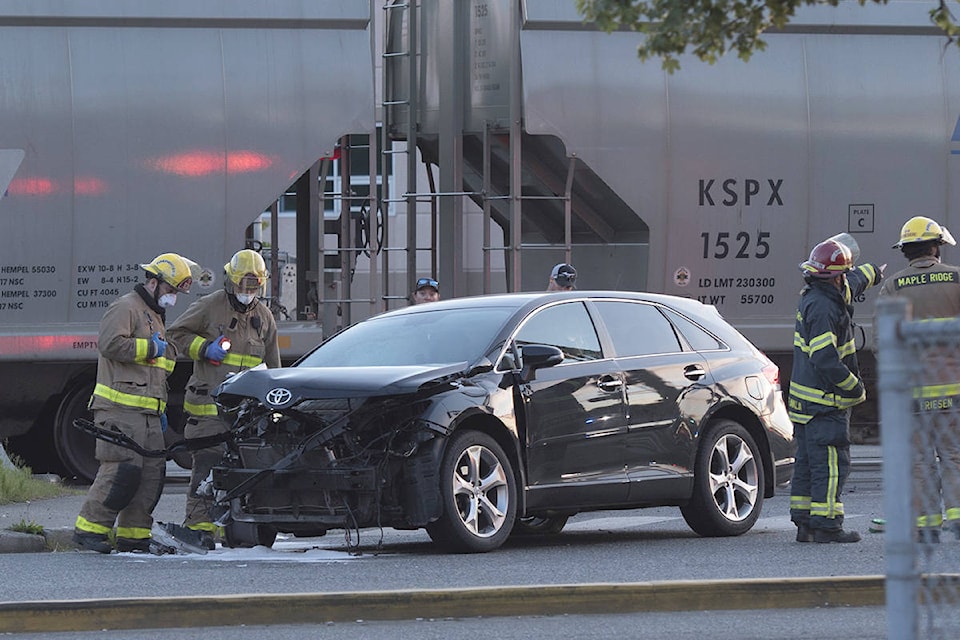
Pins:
x: 31, y: 187
x: 197, y: 164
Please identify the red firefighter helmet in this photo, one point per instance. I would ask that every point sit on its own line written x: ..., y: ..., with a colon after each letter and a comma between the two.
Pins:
x: 828, y: 259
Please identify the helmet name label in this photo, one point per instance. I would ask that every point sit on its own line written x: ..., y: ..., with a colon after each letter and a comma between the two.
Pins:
x: 936, y: 404
x: 918, y: 279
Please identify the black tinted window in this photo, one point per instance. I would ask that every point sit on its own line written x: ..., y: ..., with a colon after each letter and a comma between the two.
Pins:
x: 638, y: 329
x: 435, y: 336
x: 697, y: 337
x: 566, y: 326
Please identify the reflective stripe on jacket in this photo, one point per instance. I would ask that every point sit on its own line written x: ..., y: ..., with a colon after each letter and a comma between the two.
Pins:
x: 253, y: 339
x: 125, y: 376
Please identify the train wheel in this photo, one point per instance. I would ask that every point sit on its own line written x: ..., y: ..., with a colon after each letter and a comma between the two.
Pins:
x: 76, y: 449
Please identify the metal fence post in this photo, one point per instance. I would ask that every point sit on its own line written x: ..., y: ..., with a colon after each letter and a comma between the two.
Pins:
x: 895, y: 401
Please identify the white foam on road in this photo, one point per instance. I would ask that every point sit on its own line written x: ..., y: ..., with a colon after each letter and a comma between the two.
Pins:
x: 307, y: 550
x: 617, y: 523
x: 286, y: 551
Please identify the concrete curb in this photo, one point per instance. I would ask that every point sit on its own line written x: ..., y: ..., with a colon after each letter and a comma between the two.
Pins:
x: 17, y: 542
x: 51, y: 540
x: 319, y: 608
x: 59, y: 539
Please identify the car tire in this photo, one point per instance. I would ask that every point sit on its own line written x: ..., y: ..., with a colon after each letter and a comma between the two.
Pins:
x: 244, y: 535
x: 479, y: 494
x: 728, y: 482
x: 539, y: 526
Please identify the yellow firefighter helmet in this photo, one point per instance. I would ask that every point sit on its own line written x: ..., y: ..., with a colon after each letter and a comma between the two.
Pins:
x: 173, y: 269
x: 247, y: 271
x: 923, y: 229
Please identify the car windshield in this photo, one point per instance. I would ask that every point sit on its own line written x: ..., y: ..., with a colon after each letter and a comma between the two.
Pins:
x: 443, y: 336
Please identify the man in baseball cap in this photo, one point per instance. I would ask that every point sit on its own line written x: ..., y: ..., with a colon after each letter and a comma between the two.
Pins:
x: 562, y: 278
x: 426, y: 290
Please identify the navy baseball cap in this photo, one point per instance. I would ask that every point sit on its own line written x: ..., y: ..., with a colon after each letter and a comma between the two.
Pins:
x: 427, y: 282
x: 564, y: 275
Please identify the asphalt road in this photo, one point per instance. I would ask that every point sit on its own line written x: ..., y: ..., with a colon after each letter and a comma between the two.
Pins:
x: 639, y: 573
x: 607, y: 551
x: 617, y: 547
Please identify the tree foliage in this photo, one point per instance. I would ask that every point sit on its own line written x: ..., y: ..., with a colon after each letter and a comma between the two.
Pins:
x: 711, y: 28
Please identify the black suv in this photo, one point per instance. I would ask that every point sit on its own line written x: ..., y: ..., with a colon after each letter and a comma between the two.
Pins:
x: 480, y: 417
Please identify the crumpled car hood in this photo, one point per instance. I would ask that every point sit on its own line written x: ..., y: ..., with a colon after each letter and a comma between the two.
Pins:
x: 342, y: 382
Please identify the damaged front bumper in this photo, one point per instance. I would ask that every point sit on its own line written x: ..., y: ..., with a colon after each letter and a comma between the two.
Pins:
x: 400, y: 492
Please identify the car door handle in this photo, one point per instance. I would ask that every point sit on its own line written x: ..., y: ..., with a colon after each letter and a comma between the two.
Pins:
x: 610, y: 383
x: 693, y: 372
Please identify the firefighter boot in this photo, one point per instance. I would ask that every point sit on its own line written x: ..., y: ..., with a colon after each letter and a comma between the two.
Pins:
x: 928, y: 535
x: 131, y: 545
x: 143, y: 545
x: 835, y: 535
x: 804, y: 533
x: 207, y: 541
x: 92, y: 541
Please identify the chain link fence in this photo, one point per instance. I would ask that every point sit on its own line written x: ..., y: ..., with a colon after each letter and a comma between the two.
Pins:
x: 919, y: 397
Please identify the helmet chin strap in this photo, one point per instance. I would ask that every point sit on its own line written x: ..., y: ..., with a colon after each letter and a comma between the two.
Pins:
x: 840, y: 282
x: 156, y: 290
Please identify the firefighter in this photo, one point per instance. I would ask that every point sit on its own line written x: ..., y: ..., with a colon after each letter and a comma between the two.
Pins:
x: 131, y: 397
x: 933, y: 289
x: 824, y: 385
x: 223, y: 333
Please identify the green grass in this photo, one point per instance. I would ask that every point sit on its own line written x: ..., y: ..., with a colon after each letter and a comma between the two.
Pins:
x: 27, y: 527
x: 19, y: 485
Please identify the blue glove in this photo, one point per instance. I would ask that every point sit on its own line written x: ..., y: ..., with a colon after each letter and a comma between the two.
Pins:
x: 215, y: 353
x: 163, y: 422
x: 159, y: 345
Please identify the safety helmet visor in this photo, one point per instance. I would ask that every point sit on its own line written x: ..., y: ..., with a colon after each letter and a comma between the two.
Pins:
x: 183, y: 286
x: 245, y: 263
x: 946, y: 237
x: 249, y: 283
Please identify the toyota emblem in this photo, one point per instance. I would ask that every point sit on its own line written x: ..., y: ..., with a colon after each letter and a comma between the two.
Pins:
x: 279, y: 396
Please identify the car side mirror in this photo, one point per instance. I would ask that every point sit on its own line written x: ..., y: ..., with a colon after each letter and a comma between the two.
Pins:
x: 538, y: 356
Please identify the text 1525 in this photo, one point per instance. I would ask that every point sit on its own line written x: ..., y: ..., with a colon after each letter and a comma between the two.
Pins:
x: 720, y: 245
